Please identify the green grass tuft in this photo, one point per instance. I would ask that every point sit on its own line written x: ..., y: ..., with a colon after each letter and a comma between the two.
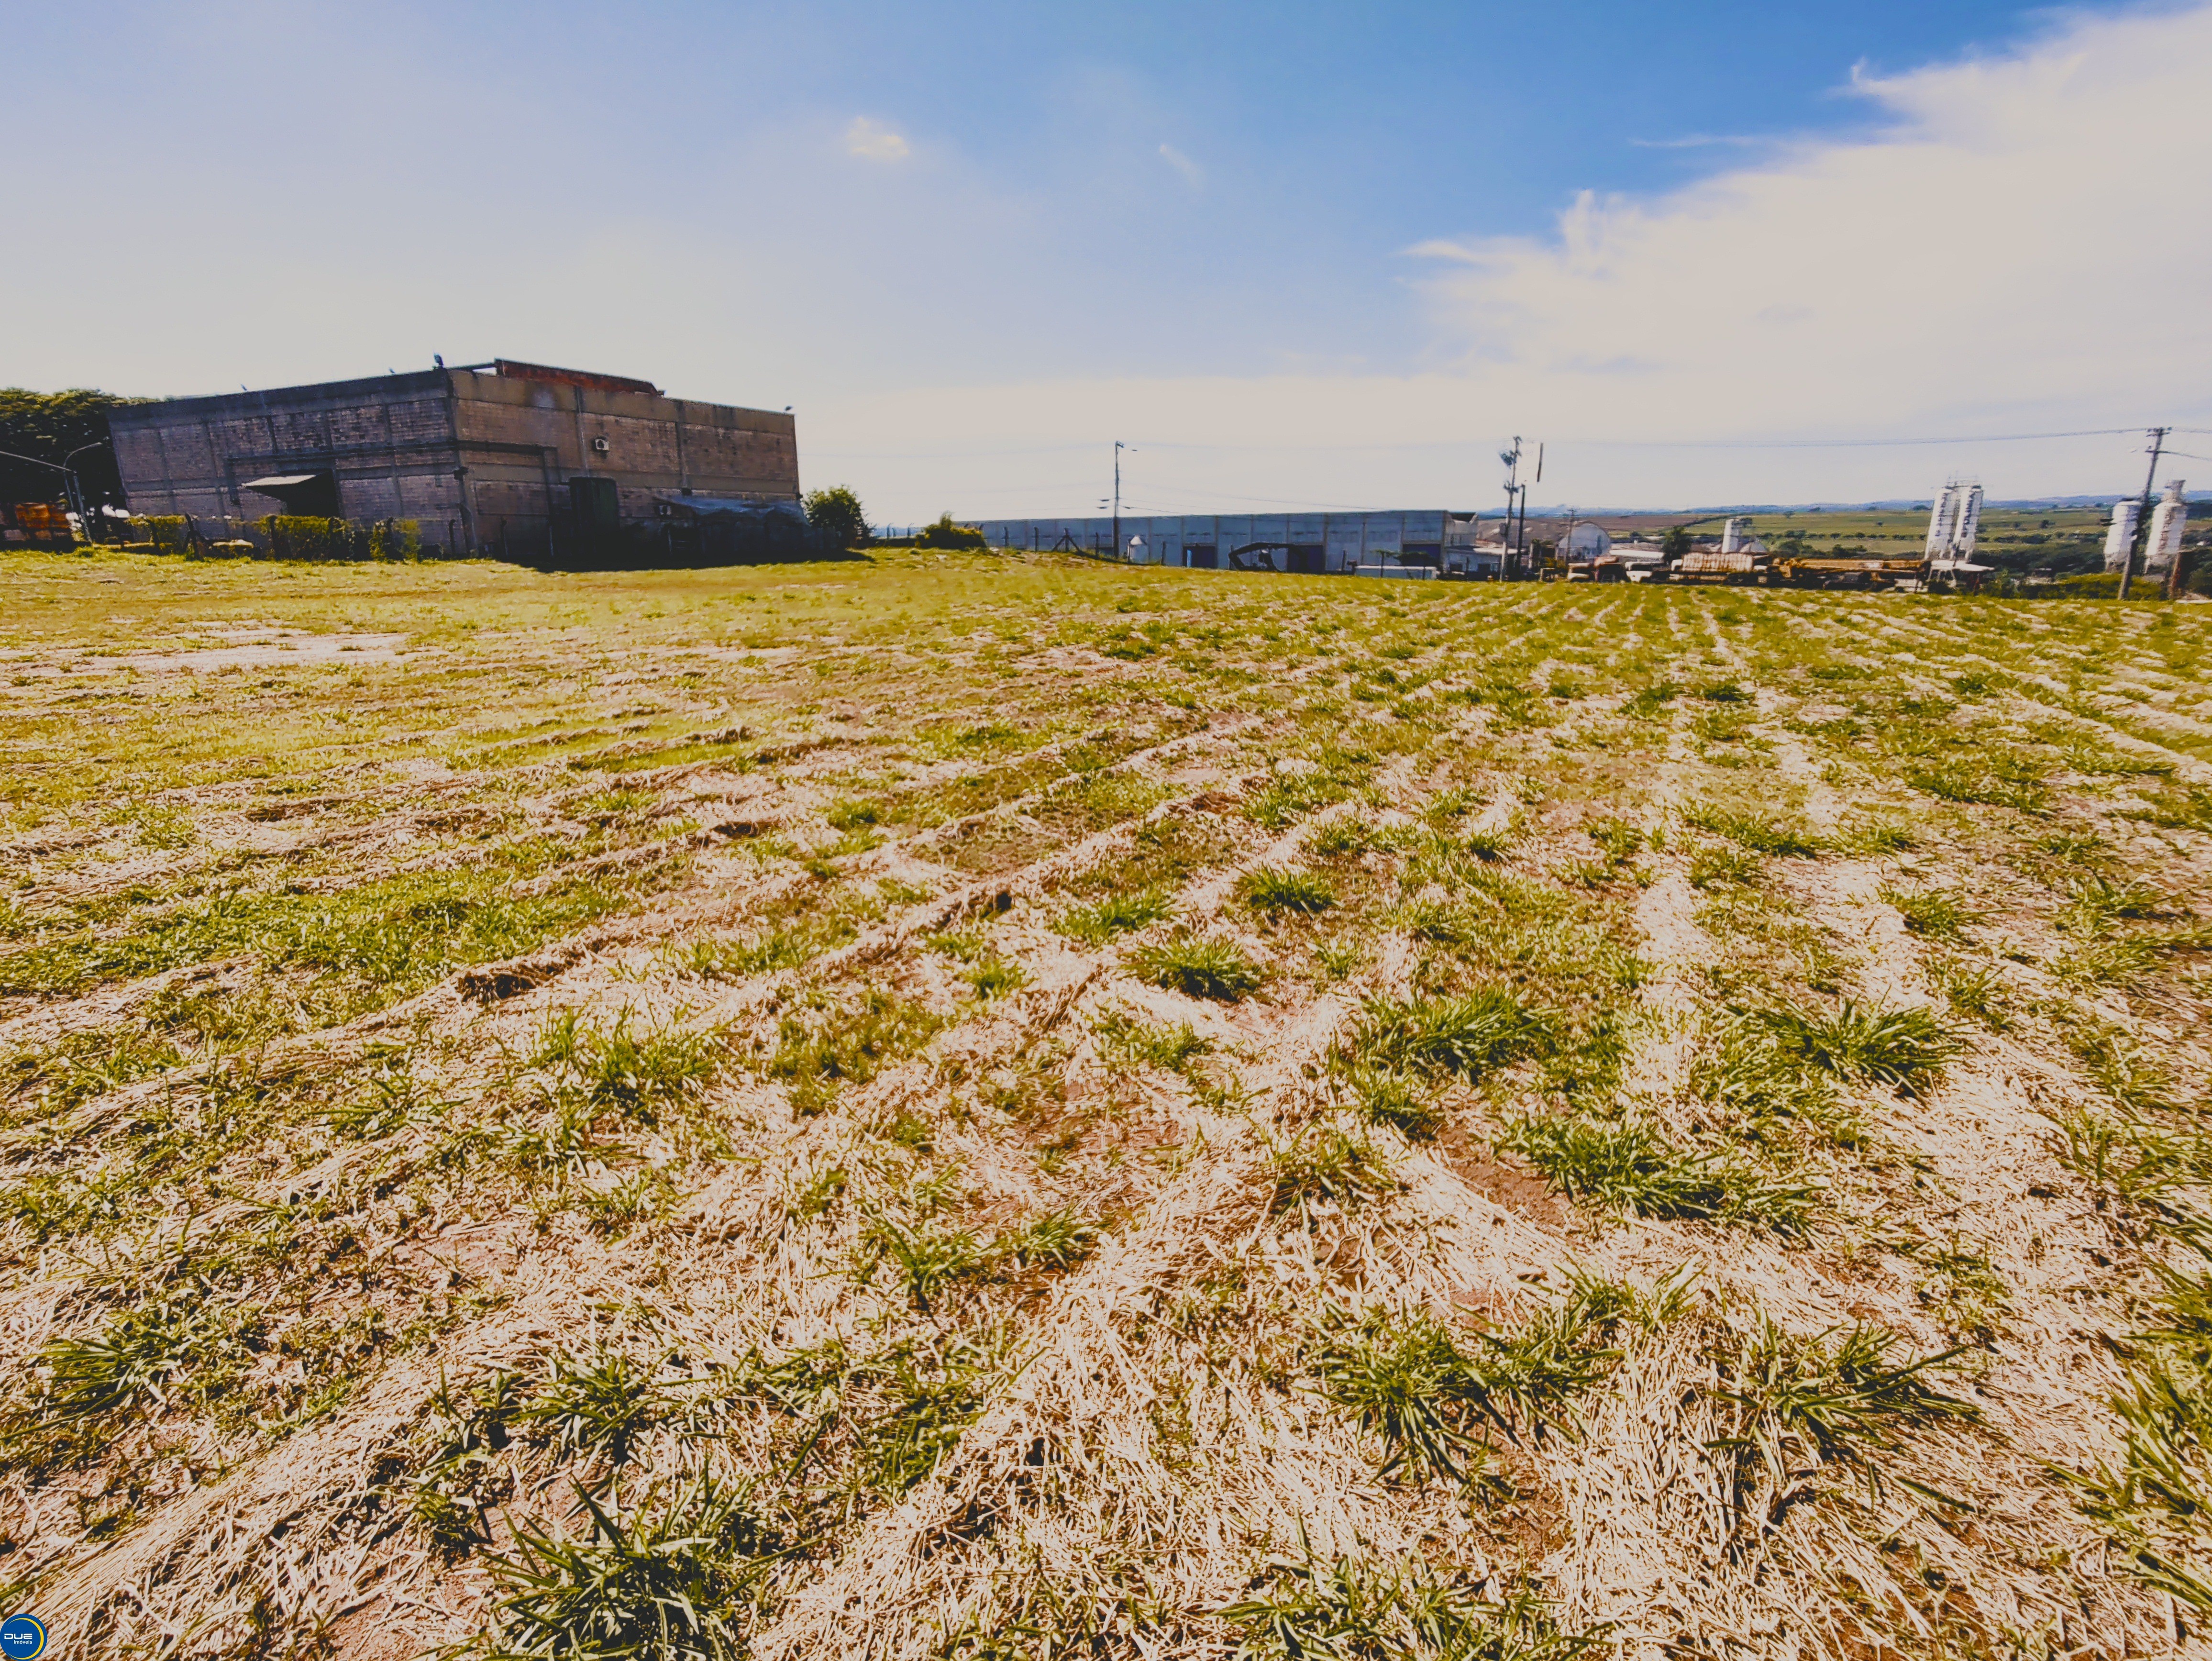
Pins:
x: 674, y: 1579
x: 1199, y: 967
x: 846, y: 1045
x: 1630, y: 1165
x: 1467, y: 1037
x: 1117, y: 914
x: 1907, y: 1047
x: 1299, y: 892
x: 1755, y: 832
x: 1345, y: 1608
x: 1324, y: 1164
x: 1842, y: 1394
x: 1930, y: 911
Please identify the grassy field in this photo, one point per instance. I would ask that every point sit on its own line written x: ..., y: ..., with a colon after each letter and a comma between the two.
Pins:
x: 984, y: 1107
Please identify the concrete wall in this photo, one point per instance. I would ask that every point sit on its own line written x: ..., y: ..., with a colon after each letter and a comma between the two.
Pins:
x: 470, y: 454
x: 522, y: 440
x: 388, y: 440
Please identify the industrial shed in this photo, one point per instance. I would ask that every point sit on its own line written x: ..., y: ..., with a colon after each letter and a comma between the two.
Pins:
x: 505, y: 457
x: 1313, y: 543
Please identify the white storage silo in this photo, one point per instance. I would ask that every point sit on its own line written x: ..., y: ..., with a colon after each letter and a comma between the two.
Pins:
x: 2121, y: 535
x: 2167, y: 522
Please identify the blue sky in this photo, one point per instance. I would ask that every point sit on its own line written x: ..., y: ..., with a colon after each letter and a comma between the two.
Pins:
x: 1309, y: 253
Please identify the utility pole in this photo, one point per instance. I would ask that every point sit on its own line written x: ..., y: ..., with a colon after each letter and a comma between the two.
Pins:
x: 1118, y: 447
x: 1506, y: 550
x: 1524, y: 503
x: 2143, y: 511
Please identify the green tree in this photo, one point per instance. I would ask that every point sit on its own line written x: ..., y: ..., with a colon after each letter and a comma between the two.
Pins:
x: 836, y: 515
x: 48, y: 425
x: 1676, y: 542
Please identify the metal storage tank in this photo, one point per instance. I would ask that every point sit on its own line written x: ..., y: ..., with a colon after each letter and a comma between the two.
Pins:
x: 2167, y: 522
x: 2120, y: 536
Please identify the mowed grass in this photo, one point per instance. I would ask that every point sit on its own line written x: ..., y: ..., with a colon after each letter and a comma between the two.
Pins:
x: 605, y: 1084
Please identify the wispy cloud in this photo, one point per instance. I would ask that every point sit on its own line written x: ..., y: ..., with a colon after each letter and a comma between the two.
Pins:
x: 1662, y: 346
x: 1193, y: 174
x: 1699, y: 141
x: 870, y: 142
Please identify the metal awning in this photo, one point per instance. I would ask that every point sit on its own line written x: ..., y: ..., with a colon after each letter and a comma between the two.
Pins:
x: 283, y: 482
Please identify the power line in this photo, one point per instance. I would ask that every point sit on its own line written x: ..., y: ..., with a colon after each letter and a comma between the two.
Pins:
x: 1841, y: 443
x: 1263, y: 448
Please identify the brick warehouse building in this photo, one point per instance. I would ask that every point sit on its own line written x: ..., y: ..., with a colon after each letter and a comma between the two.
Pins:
x: 502, y: 456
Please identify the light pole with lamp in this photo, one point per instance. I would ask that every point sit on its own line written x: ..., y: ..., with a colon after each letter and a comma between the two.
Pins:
x: 71, y: 487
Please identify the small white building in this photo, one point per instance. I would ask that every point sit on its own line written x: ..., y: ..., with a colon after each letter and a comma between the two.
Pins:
x: 1585, y: 544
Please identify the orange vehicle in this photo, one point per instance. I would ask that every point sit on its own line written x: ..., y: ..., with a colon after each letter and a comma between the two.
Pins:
x: 39, y: 524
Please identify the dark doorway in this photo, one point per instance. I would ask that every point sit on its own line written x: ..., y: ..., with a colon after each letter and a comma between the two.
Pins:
x: 1202, y: 557
x: 595, y: 503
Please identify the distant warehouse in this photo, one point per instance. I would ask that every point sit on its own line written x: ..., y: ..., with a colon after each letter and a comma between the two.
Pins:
x: 499, y: 458
x: 1417, y: 543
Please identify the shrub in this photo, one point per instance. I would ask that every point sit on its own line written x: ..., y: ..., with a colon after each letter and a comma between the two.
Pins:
x: 946, y: 534
x: 1198, y: 968
x: 835, y: 516
x: 296, y: 536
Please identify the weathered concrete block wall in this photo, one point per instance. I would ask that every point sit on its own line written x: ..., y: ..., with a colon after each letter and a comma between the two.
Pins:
x: 468, y: 454
x: 387, y: 442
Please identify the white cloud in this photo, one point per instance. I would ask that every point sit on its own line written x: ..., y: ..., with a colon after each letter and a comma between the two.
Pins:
x: 870, y: 142
x: 1193, y: 174
x: 2019, y: 246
